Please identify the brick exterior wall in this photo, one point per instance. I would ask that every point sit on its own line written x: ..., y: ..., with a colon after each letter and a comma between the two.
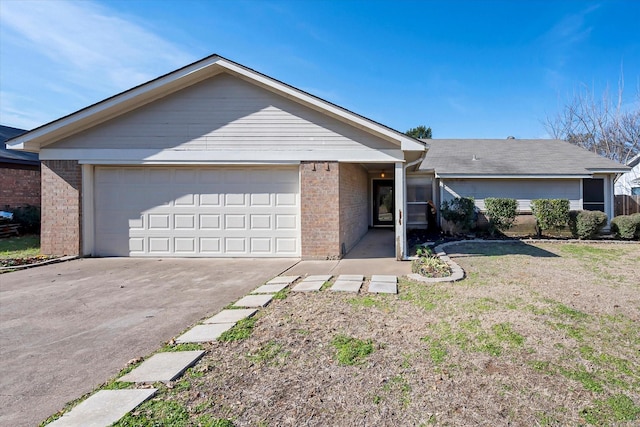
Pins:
x: 19, y: 186
x: 319, y: 210
x: 61, y: 207
x: 354, y: 204
x: 333, y: 208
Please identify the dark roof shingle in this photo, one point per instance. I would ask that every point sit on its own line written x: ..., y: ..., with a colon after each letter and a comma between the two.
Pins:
x: 500, y: 157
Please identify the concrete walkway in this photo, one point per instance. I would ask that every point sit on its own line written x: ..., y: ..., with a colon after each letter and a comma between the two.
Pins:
x: 67, y: 328
x: 374, y: 254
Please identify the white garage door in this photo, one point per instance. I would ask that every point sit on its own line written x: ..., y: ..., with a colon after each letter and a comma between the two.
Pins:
x: 197, y: 212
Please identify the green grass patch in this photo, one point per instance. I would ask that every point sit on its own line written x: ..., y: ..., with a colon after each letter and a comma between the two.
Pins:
x: 282, y: 294
x: 437, y: 351
x: 615, y: 409
x: 156, y: 413
x: 351, y: 351
x: 19, y: 247
x: 587, y: 379
x: 181, y: 347
x: 425, y: 297
x: 271, y: 353
x: 369, y: 301
x: 400, y: 385
x: 240, y: 331
x: 504, y: 333
x: 589, y: 252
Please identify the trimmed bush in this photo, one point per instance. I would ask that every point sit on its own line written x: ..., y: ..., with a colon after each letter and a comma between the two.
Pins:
x: 28, y: 217
x: 460, y: 211
x: 626, y: 226
x: 586, y: 224
x: 502, y: 212
x: 550, y: 213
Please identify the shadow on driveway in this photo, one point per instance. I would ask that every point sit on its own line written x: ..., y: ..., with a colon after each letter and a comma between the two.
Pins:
x: 67, y: 328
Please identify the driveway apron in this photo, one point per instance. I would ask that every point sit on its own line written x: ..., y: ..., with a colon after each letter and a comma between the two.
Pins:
x: 67, y: 328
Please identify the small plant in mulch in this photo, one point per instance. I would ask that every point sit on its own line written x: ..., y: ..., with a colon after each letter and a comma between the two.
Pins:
x: 429, y: 265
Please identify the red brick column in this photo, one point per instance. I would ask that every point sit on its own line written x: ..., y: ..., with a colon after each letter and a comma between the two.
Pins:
x: 61, y: 207
x: 354, y: 206
x: 320, y: 210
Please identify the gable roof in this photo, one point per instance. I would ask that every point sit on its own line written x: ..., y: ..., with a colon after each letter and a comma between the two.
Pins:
x: 186, y: 76
x: 13, y: 156
x: 635, y: 161
x: 454, y: 158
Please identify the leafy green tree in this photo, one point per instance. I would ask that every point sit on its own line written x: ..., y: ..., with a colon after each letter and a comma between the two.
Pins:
x: 420, y: 132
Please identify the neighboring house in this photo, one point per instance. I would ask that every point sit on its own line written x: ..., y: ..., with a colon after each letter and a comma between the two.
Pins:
x: 218, y: 160
x: 19, y: 174
x: 520, y: 169
x: 628, y: 184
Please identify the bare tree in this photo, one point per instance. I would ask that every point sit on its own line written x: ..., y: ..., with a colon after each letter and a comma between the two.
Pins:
x: 605, y: 126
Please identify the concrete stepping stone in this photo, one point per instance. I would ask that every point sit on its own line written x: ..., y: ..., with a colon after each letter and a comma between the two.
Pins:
x: 308, y: 286
x: 231, y: 316
x: 351, y: 277
x: 163, y: 367
x: 254, y: 301
x: 104, y: 408
x: 383, y: 278
x: 270, y: 289
x: 383, y: 287
x: 317, y: 278
x: 204, y: 333
x: 283, y: 279
x: 346, y: 286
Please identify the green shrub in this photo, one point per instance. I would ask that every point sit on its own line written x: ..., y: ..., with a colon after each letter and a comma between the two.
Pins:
x: 586, y: 224
x: 460, y: 211
x: 502, y: 212
x: 28, y: 217
x: 636, y: 218
x: 626, y: 226
x: 550, y: 213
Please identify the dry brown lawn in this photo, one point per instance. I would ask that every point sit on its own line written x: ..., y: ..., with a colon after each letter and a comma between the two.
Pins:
x: 544, y: 334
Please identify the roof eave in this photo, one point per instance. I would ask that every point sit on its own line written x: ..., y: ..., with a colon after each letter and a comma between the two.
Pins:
x: 191, y: 74
x: 510, y: 176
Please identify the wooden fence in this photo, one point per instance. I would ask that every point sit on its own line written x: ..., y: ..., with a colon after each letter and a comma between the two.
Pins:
x: 627, y: 205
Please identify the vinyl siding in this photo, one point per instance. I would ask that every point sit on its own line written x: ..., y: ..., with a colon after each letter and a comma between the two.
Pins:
x: 225, y: 113
x: 522, y: 190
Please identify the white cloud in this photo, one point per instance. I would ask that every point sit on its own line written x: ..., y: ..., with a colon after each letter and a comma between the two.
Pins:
x: 81, y: 47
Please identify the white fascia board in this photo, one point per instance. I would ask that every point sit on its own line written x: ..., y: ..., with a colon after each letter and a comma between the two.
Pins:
x: 620, y: 170
x: 138, y: 156
x: 406, y: 143
x: 462, y: 176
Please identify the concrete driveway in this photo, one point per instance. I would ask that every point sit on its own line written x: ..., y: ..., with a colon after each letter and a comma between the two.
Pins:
x: 67, y: 328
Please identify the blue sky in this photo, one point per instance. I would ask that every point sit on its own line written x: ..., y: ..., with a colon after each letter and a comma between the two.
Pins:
x: 468, y: 69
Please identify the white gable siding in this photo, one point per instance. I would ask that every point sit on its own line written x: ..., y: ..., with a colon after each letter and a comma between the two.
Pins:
x: 520, y: 189
x: 227, y: 114
x: 628, y: 181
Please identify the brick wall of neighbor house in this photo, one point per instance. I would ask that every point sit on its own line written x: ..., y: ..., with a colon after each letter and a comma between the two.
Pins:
x: 61, y: 207
x: 354, y: 210
x: 19, y: 186
x: 319, y: 210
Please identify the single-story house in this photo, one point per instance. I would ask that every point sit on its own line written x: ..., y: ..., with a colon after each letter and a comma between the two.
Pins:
x: 628, y: 184
x: 218, y: 160
x: 19, y: 173
x: 522, y: 169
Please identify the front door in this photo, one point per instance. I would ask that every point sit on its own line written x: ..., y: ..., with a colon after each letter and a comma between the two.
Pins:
x: 383, y: 202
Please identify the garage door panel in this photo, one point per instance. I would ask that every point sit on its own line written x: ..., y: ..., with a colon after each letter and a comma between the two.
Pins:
x: 196, y: 211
